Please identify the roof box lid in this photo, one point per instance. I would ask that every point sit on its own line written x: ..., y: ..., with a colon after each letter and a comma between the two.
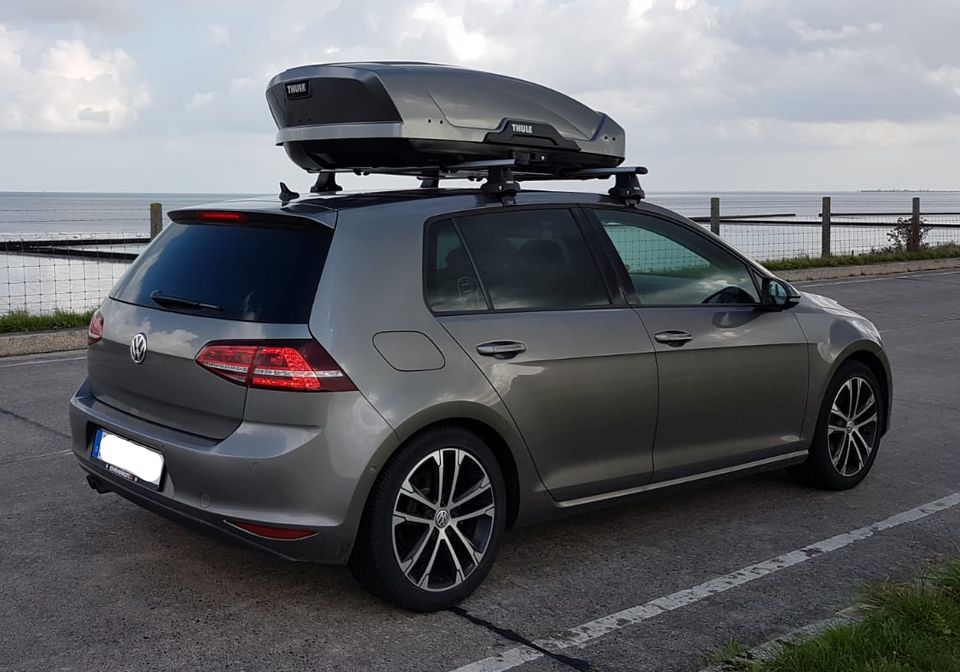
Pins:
x: 391, y: 115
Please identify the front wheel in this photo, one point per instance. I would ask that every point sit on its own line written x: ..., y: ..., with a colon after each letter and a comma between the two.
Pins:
x: 848, y: 430
x: 434, y: 521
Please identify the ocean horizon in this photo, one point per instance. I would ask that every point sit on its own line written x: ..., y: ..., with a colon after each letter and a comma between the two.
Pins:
x: 29, y: 212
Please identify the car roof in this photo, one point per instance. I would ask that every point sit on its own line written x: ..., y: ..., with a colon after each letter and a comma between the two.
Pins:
x: 427, y: 202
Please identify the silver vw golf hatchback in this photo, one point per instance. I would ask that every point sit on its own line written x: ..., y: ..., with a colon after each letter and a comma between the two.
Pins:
x: 394, y: 379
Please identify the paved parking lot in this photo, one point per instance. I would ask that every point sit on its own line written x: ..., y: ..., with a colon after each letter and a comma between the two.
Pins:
x: 91, y: 582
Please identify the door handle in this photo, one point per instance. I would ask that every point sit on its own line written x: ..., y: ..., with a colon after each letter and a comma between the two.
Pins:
x: 673, y: 337
x: 501, y: 349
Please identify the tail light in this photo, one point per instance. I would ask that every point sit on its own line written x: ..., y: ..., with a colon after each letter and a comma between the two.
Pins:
x: 300, y: 366
x: 95, y: 330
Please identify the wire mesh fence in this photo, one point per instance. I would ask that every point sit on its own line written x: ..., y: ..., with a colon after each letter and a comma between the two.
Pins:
x: 44, y: 272
x: 73, y: 269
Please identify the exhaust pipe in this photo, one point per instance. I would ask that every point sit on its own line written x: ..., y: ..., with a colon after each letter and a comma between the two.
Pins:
x: 97, y: 484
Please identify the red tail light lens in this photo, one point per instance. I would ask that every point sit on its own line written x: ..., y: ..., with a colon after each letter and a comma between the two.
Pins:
x: 281, y: 533
x: 300, y: 366
x: 95, y: 330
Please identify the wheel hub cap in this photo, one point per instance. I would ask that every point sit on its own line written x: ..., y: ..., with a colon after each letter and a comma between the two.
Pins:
x: 441, y: 519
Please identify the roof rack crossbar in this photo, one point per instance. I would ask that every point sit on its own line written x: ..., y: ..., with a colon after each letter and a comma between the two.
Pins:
x: 501, y: 176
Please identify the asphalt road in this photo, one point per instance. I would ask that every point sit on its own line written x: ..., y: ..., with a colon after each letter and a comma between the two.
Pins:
x: 90, y: 582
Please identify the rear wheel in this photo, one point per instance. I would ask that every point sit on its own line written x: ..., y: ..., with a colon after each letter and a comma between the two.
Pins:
x: 433, y: 523
x: 848, y: 430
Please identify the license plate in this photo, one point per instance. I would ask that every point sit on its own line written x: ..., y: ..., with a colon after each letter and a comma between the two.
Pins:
x: 127, y: 459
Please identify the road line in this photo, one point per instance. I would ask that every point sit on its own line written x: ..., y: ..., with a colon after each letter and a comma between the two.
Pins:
x: 582, y: 635
x: 909, y: 275
x: 42, y: 361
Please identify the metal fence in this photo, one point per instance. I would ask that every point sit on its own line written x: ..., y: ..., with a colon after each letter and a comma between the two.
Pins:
x: 45, y: 272
x: 779, y: 236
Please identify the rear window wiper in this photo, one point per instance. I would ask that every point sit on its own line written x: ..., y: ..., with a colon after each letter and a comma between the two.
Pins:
x: 169, y: 301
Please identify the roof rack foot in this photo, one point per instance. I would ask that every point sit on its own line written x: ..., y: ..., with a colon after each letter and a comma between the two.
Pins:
x: 500, y: 182
x: 628, y: 188
x: 326, y: 183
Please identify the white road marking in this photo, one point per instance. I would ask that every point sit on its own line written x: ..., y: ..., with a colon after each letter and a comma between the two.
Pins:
x: 878, y: 278
x: 42, y: 361
x: 588, y: 632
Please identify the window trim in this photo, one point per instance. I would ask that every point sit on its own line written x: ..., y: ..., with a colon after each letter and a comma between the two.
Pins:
x: 620, y: 271
x: 587, y: 228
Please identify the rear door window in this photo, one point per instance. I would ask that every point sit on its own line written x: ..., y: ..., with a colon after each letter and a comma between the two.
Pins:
x: 517, y: 260
x: 254, y: 272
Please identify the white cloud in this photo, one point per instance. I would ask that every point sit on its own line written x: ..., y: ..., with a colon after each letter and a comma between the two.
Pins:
x: 466, y: 45
x: 201, y: 99
x: 220, y: 35
x: 66, y: 87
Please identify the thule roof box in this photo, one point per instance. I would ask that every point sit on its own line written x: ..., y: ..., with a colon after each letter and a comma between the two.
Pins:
x: 371, y: 116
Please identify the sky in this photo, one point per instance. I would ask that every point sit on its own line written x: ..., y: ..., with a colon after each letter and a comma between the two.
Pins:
x: 123, y: 95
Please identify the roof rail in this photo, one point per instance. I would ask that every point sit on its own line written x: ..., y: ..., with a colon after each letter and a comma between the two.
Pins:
x: 501, y: 177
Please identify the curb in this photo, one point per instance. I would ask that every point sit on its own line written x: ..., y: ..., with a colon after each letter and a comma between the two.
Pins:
x: 773, y: 648
x: 890, y: 268
x: 36, y: 342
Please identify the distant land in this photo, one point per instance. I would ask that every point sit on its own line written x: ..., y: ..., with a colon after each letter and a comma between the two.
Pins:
x: 910, y: 191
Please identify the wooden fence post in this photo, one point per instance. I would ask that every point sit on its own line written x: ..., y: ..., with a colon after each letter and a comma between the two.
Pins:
x: 825, y: 215
x: 715, y: 215
x: 913, y: 244
x: 156, y: 219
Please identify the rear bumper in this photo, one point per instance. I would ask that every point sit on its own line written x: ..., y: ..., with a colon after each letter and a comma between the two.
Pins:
x: 315, y: 478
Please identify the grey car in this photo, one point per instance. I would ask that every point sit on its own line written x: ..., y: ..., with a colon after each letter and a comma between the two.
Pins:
x: 393, y: 380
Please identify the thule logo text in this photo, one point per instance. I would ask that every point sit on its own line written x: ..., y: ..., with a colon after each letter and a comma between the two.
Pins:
x: 298, y: 90
x: 522, y: 128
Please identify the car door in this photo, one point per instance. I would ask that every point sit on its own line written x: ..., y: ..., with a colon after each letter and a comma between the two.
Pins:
x: 521, y: 291
x: 733, y: 378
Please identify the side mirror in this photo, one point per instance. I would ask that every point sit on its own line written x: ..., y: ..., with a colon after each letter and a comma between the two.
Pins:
x: 777, y: 294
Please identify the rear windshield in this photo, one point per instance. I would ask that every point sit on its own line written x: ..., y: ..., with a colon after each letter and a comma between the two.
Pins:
x: 252, y: 273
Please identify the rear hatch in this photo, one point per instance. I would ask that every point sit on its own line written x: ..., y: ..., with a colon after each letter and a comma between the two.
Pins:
x: 210, y: 276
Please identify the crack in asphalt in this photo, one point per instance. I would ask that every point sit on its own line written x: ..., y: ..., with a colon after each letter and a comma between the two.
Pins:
x: 514, y: 636
x: 34, y: 423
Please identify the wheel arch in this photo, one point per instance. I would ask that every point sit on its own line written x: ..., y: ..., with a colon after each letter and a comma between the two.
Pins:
x: 881, y: 370
x: 497, y: 431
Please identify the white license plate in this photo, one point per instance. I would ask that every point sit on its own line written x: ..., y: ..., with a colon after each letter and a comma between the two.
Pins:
x: 127, y: 459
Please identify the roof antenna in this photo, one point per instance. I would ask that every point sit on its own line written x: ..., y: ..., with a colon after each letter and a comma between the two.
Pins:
x: 326, y: 183
x: 286, y: 195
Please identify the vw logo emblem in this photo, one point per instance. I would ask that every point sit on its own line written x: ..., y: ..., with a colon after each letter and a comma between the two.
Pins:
x: 138, y: 348
x: 442, y: 518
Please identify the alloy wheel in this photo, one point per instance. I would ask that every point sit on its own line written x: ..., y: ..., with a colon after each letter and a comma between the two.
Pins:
x: 852, y: 429
x: 443, y: 519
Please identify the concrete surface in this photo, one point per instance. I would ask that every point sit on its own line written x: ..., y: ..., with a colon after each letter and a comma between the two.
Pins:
x: 891, y: 268
x: 92, y: 582
x: 42, y: 341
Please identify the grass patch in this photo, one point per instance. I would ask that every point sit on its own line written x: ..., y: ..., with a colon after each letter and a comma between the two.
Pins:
x: 21, y: 320
x: 911, y: 628
x: 878, y: 257
x: 723, y: 653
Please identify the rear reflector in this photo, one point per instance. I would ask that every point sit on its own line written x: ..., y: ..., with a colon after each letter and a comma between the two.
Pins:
x: 221, y: 216
x: 95, y: 330
x: 282, y: 533
x: 299, y: 366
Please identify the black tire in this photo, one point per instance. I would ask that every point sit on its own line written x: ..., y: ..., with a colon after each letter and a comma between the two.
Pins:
x: 820, y: 469
x: 375, y: 562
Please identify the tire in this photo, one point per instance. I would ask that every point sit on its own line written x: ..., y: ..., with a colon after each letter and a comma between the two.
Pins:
x: 447, y: 532
x: 844, y: 449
